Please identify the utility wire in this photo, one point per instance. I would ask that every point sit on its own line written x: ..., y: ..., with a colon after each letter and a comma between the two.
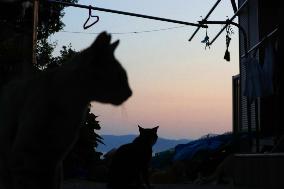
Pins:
x: 124, y: 33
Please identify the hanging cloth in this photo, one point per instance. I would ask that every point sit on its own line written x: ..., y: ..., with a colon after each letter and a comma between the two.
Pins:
x: 253, y: 78
x: 268, y: 67
x: 259, y: 79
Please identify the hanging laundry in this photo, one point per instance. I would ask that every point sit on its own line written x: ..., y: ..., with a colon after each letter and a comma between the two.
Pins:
x: 254, y: 79
x: 259, y: 79
x: 268, y: 67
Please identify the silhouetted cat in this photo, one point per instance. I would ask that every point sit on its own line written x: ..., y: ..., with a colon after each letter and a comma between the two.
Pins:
x: 130, y: 164
x: 40, y: 116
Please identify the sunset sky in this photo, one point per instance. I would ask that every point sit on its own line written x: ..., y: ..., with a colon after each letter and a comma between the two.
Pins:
x: 176, y: 84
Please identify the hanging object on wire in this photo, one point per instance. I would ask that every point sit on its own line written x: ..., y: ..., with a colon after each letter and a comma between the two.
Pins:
x: 229, y: 32
x: 227, y: 53
x: 206, y: 40
x: 86, y: 25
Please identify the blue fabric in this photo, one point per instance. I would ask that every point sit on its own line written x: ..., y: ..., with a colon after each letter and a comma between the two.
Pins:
x: 210, y: 144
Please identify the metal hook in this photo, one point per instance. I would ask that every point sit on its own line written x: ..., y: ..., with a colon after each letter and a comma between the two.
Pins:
x: 85, y: 26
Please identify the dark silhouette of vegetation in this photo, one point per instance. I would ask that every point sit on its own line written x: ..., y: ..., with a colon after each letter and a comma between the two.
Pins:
x: 50, y: 18
x: 82, y: 160
x: 49, y: 61
x: 50, y: 22
x: 15, y: 35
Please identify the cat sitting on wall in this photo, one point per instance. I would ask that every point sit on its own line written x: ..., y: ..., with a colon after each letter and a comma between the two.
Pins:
x: 40, y: 116
x: 130, y: 163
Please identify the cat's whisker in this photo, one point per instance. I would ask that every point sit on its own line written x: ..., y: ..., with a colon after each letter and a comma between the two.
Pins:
x: 123, y: 111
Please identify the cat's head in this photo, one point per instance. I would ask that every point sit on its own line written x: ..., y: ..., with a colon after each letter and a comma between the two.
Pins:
x: 110, y: 83
x: 149, y: 135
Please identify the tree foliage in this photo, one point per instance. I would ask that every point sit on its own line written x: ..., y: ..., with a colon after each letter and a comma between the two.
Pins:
x: 81, y: 161
x: 50, y: 22
x: 50, y: 18
x: 66, y: 53
x: 45, y: 59
x: 44, y: 53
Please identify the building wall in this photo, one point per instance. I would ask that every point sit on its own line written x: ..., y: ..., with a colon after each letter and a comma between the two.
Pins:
x: 265, y: 114
x: 248, y: 19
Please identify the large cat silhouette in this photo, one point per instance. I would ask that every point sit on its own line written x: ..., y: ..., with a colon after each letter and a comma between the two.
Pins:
x: 40, y: 116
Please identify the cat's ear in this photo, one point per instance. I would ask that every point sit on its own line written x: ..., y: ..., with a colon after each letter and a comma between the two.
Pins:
x: 114, y: 45
x: 103, y: 40
x: 156, y: 128
x: 140, y: 128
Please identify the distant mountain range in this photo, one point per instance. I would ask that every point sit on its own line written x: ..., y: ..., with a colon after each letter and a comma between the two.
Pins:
x: 112, y: 141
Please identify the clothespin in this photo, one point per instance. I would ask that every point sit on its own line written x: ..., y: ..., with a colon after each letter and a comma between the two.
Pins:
x: 206, y: 40
x: 229, y: 32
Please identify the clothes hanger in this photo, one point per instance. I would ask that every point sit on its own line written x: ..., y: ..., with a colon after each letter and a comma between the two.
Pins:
x: 86, y: 25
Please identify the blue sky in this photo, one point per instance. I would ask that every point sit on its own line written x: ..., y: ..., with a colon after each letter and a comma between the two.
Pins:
x: 177, y: 84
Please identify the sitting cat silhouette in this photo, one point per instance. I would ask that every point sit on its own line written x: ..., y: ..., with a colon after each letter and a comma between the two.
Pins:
x: 130, y: 163
x: 40, y: 116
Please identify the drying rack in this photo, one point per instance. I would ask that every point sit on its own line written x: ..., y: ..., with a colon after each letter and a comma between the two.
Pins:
x: 245, y: 55
x: 202, y: 24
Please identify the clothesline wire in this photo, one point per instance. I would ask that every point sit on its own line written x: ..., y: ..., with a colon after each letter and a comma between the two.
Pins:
x: 123, y: 33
